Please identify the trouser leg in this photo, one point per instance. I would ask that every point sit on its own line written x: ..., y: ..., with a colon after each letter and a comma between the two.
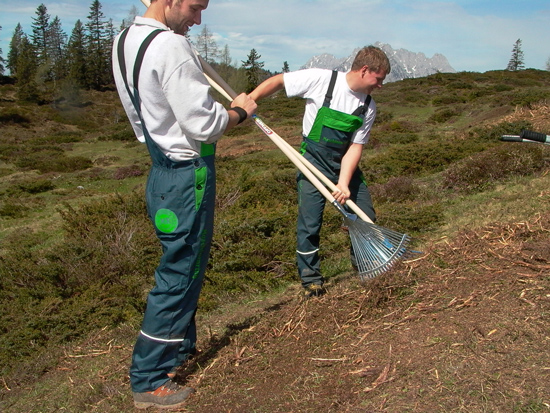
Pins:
x: 311, y: 204
x: 184, y: 228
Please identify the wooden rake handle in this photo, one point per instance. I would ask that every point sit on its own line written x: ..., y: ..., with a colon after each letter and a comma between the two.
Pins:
x: 307, y: 168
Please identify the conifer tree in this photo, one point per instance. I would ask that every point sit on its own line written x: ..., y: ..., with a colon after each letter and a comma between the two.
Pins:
x: 225, y: 56
x: 127, y: 22
x: 57, y: 49
x: 253, y: 68
x: 516, y: 61
x: 27, y: 88
x: 286, y: 69
x: 40, y: 32
x: 97, y: 48
x: 206, y: 45
x: 2, y: 61
x: 15, y: 46
x: 76, y: 55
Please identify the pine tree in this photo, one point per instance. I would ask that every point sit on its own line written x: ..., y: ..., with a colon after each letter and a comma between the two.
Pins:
x: 225, y: 56
x: 286, y: 69
x: 27, y: 88
x: 516, y: 61
x: 76, y: 55
x: 2, y: 61
x: 57, y: 50
x: 548, y: 64
x: 40, y: 32
x: 206, y: 45
x: 253, y: 68
x: 127, y: 22
x: 15, y: 46
x: 97, y: 48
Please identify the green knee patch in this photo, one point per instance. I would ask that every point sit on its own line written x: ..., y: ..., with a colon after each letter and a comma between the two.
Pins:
x: 166, y: 221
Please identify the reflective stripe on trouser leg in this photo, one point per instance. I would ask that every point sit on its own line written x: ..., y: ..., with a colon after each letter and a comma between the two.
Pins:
x: 311, y: 204
x: 184, y: 228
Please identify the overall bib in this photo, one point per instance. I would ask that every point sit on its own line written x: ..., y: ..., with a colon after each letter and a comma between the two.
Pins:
x: 324, y: 147
x: 180, y: 203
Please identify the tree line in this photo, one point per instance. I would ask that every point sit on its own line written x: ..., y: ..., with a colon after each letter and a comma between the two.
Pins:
x: 47, y: 60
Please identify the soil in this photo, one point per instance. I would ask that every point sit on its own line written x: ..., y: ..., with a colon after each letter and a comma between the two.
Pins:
x: 462, y: 326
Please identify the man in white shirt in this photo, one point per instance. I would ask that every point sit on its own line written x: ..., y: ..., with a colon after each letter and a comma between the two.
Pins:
x: 166, y: 97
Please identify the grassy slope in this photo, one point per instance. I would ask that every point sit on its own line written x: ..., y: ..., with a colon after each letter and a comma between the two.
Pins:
x: 254, y: 332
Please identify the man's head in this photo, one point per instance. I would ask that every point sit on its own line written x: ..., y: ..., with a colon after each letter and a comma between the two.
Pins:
x: 368, y: 70
x: 374, y: 58
x: 178, y: 15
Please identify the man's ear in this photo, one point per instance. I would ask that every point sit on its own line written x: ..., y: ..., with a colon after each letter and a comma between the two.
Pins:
x: 364, y: 70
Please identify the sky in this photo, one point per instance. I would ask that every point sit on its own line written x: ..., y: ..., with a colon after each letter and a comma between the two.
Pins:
x: 474, y: 35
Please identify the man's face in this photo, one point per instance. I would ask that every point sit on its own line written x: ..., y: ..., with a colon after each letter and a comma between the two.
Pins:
x: 372, y: 80
x: 183, y: 14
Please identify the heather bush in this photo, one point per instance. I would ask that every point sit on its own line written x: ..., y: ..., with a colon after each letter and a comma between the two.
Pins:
x: 14, y: 116
x: 443, y: 115
x: 397, y: 189
x: 12, y: 209
x: 419, y: 158
x: 53, y: 161
x: 128, y: 172
x: 125, y: 135
x: 481, y: 171
x: 494, y: 132
x: 442, y: 100
x: 32, y: 187
x: 413, y: 218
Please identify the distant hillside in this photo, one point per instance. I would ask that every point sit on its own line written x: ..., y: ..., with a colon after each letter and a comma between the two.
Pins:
x: 405, y: 64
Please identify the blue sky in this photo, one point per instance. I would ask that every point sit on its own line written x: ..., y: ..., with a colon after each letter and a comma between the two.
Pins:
x: 474, y: 35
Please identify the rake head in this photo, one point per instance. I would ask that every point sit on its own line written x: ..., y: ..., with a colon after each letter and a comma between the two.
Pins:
x: 376, y: 249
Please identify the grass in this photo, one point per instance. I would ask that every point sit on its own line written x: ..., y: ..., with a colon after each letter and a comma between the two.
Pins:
x: 91, y: 250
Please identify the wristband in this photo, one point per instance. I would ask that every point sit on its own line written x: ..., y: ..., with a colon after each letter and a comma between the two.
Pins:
x: 241, y: 112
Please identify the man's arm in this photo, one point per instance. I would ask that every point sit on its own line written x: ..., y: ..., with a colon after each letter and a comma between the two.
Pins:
x: 268, y: 87
x: 350, y: 162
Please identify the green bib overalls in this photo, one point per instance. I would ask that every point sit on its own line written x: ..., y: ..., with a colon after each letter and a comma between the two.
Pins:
x: 180, y: 203
x: 324, y: 147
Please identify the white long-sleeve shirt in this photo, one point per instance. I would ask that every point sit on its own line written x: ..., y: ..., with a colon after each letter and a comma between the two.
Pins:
x: 176, y: 106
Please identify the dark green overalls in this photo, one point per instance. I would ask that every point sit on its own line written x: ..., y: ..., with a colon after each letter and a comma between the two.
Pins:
x: 325, y: 146
x: 180, y: 203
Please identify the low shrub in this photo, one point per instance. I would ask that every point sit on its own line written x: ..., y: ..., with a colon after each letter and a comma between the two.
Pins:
x: 419, y: 158
x: 33, y: 187
x: 53, y: 162
x: 14, y: 116
x: 443, y: 115
x: 13, y: 209
x: 493, y: 133
x: 128, y: 172
x: 481, y: 171
x: 397, y: 189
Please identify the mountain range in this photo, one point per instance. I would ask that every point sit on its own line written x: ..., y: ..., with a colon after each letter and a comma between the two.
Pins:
x: 404, y: 63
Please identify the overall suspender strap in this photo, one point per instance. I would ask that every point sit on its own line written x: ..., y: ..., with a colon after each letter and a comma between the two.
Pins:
x: 328, y: 96
x: 361, y: 110
x: 137, y: 66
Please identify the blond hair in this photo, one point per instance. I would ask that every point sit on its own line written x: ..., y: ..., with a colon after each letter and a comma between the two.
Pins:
x: 373, y: 57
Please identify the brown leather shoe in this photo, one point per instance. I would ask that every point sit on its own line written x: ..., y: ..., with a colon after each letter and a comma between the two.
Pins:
x: 167, y: 396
